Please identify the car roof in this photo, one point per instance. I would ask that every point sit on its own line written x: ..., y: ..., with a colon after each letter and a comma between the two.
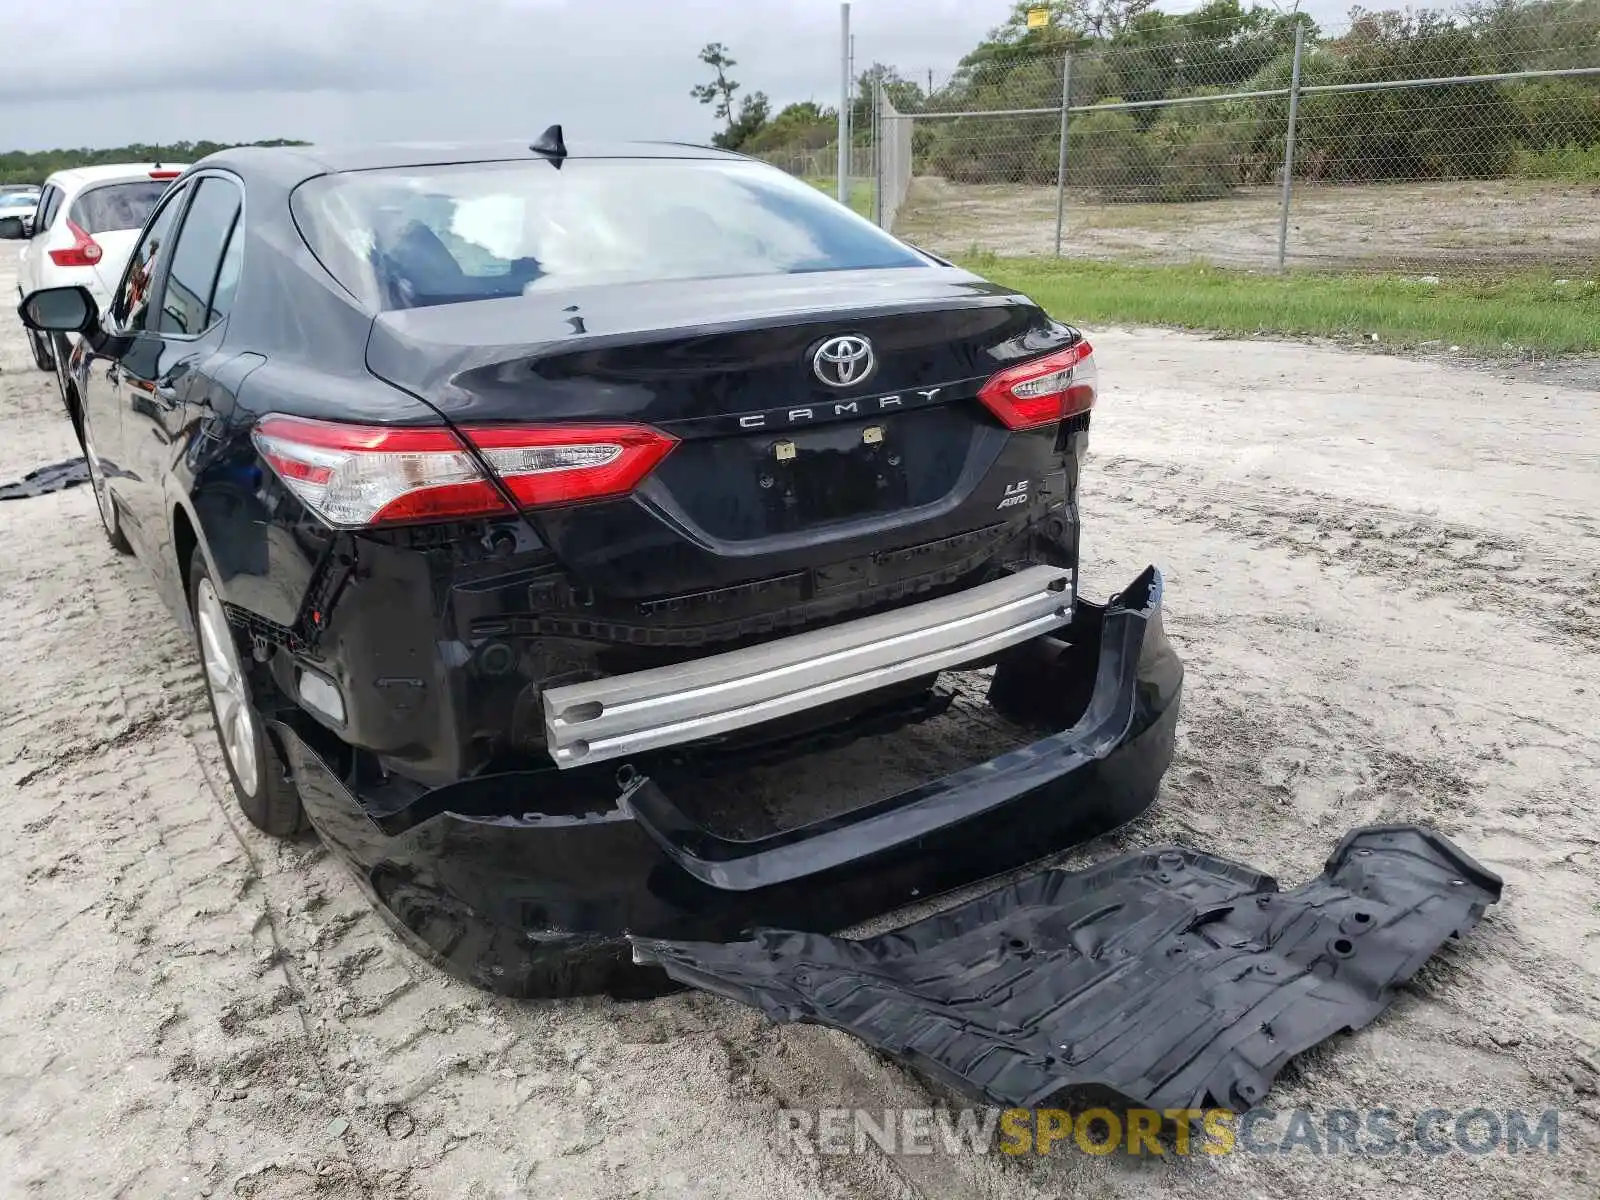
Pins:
x: 289, y: 165
x: 78, y: 177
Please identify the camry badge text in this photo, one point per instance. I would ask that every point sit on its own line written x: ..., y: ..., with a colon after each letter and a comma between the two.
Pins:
x: 841, y: 408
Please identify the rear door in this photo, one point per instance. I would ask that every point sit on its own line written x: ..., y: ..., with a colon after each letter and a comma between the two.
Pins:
x: 167, y: 367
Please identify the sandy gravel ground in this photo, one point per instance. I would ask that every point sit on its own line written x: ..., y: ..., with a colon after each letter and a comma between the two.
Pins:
x: 1384, y: 576
x: 1458, y: 226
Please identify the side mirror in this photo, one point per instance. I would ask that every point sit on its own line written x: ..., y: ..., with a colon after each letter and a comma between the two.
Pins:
x: 13, y: 230
x: 60, y: 310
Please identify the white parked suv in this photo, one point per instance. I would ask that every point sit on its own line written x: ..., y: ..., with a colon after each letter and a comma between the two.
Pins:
x: 85, y: 228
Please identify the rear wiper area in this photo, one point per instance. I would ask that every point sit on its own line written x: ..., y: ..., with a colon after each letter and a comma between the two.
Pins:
x: 1172, y: 978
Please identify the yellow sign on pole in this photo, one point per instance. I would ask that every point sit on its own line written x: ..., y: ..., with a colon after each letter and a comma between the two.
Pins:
x: 1038, y: 18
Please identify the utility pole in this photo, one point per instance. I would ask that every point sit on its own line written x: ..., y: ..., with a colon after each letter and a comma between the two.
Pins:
x: 850, y: 126
x: 1061, y: 160
x: 844, y: 103
x: 1288, y: 143
x: 877, y: 150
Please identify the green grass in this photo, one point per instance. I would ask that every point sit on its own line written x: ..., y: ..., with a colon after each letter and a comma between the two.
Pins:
x: 861, y: 192
x: 1519, y: 313
x: 1569, y: 164
x: 1565, y: 164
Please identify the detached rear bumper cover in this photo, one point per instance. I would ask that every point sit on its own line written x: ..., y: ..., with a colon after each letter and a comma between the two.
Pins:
x: 629, y: 714
x: 1173, y: 978
x: 531, y: 902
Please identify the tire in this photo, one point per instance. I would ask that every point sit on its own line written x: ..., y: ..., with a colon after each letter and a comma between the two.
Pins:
x: 110, y: 519
x: 261, y: 783
x: 42, y: 358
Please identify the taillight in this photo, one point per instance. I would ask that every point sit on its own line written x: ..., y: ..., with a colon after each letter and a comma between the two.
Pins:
x: 165, y: 174
x: 84, y: 251
x: 563, y: 464
x: 359, y: 475
x: 1043, y: 390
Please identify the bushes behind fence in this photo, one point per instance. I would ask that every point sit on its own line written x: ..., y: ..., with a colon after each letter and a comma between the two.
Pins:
x: 1188, y: 129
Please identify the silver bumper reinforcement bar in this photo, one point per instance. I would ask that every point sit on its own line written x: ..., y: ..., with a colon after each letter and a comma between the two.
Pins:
x: 626, y: 714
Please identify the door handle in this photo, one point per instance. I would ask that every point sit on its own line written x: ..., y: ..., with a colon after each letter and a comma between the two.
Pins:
x: 165, y: 389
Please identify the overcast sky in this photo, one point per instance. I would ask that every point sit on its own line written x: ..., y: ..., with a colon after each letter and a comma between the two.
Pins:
x: 391, y: 70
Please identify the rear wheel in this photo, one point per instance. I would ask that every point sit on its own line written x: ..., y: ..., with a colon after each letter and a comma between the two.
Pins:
x: 261, y: 783
x: 110, y: 519
x: 42, y: 358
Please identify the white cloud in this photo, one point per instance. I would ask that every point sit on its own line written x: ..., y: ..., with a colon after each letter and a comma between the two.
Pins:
x: 340, y: 70
x: 390, y: 70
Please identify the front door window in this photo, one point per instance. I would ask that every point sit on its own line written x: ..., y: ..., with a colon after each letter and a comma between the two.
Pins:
x: 130, y: 309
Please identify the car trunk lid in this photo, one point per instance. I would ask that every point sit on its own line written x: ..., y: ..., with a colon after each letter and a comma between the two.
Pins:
x: 779, y: 456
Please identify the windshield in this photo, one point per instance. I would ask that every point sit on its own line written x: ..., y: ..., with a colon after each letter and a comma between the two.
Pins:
x: 417, y: 236
x: 19, y: 200
x: 113, y: 206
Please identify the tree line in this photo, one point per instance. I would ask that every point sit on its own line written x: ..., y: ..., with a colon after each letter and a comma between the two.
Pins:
x: 23, y: 166
x: 1127, y: 52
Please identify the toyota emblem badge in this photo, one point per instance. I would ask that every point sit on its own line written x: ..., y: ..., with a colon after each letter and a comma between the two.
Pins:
x: 842, y: 361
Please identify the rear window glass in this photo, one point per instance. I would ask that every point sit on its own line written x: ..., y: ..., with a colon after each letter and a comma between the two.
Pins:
x: 113, y: 206
x: 411, y: 237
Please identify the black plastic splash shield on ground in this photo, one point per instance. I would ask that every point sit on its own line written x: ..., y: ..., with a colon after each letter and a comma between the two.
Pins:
x: 1173, y: 978
x: 53, y: 478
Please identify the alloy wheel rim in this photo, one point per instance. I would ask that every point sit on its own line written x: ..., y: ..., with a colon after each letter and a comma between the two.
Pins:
x: 225, y: 681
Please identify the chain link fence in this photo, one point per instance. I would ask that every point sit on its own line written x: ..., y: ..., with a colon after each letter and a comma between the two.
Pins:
x: 1416, y: 141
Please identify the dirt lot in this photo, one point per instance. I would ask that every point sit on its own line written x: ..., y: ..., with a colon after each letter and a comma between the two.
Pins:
x: 1412, y: 226
x: 1384, y: 576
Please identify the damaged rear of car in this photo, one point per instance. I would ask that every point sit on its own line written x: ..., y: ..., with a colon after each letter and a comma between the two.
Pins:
x: 525, y: 881
x: 513, y: 491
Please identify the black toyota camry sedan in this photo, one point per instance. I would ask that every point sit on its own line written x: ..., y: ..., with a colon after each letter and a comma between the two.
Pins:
x: 491, y: 478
